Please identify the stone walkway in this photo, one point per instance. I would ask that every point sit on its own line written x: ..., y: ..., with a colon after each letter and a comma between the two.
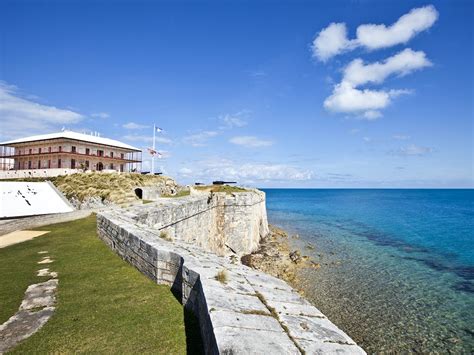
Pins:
x: 37, y: 307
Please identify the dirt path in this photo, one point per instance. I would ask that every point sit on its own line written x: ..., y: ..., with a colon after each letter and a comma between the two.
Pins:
x: 18, y: 237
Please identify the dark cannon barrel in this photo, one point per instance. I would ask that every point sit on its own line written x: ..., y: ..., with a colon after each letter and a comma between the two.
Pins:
x: 219, y: 182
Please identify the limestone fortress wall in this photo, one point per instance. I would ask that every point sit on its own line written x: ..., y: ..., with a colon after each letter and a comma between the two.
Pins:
x: 190, y: 244
x: 222, y: 223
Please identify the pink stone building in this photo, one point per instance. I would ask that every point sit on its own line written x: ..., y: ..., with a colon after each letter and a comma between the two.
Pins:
x: 69, y: 152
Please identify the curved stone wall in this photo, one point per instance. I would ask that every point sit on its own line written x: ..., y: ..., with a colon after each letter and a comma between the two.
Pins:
x: 219, y: 222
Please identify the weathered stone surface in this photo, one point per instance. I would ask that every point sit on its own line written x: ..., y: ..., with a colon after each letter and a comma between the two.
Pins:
x: 313, y: 347
x: 234, y: 340
x: 311, y: 328
x: 244, y: 320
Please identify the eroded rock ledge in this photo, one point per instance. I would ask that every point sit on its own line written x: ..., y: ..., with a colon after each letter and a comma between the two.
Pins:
x: 240, y: 310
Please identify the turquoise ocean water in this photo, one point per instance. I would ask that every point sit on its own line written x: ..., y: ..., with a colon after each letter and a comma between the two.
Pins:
x: 397, y: 266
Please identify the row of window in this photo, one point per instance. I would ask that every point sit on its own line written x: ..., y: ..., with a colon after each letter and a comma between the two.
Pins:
x: 100, y: 166
x: 100, y: 153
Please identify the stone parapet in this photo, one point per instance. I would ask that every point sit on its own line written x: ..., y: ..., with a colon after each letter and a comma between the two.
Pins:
x: 240, y: 310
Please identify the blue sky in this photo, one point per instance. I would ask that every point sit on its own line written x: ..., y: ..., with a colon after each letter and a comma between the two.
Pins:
x: 269, y: 93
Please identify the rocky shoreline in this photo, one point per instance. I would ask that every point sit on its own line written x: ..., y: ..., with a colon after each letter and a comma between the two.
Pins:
x: 277, y: 258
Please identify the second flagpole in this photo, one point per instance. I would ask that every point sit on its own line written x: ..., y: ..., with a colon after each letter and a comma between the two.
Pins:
x: 153, y: 155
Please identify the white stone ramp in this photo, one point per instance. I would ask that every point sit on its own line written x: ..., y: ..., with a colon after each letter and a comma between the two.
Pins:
x: 19, y: 199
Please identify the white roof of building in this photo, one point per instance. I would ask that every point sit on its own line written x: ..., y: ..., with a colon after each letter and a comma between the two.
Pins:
x: 72, y: 135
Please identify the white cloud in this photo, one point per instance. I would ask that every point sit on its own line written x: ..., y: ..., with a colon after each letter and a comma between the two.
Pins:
x: 247, y: 173
x: 258, y: 73
x: 146, y: 139
x: 414, y: 150
x: 367, y: 139
x: 250, y: 141
x: 22, y: 117
x: 348, y: 98
x: 333, y: 40
x: 185, y: 171
x: 235, y: 120
x: 100, y: 115
x: 199, y: 139
x: 401, y: 137
x: 408, y: 26
x: 133, y: 125
x: 357, y: 73
x: 372, y: 115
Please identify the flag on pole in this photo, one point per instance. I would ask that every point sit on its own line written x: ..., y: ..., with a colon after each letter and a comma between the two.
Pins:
x: 152, y: 151
x: 158, y: 129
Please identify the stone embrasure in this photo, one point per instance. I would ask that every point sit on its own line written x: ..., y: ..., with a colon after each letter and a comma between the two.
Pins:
x: 248, y: 312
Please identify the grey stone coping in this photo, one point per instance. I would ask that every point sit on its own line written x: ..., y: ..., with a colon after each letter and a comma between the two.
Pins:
x: 250, y: 313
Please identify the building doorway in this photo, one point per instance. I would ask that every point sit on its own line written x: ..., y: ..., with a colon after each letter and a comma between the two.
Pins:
x: 100, y: 166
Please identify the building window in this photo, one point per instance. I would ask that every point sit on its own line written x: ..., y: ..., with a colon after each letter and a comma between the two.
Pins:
x: 121, y: 155
x: 111, y: 154
x: 73, y: 149
x: 121, y: 168
x: 59, y: 160
x: 100, y: 153
x: 30, y: 151
x: 87, y: 164
x: 112, y: 166
x: 49, y: 150
x: 49, y: 164
x: 39, y: 164
x: 60, y: 149
x: 29, y: 164
x: 73, y: 164
x: 88, y: 151
x: 39, y: 150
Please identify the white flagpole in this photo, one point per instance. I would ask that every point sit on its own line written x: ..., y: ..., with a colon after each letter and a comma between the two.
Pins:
x: 153, y: 155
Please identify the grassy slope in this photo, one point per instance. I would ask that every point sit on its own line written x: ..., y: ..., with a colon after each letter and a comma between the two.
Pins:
x: 117, y: 188
x: 104, y: 304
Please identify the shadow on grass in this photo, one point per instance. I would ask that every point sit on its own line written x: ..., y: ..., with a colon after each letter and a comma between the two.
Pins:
x: 194, y: 344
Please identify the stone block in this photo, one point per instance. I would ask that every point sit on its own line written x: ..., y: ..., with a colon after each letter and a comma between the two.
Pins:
x: 237, y: 341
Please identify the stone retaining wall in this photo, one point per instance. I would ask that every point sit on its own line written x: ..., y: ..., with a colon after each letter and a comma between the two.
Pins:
x: 247, y: 313
x: 219, y: 222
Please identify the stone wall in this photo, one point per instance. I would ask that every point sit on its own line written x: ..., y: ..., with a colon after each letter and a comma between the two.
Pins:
x: 44, y: 173
x: 245, y: 312
x: 219, y: 222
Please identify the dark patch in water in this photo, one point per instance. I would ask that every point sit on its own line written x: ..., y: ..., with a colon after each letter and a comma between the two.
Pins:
x: 464, y: 286
x: 465, y: 272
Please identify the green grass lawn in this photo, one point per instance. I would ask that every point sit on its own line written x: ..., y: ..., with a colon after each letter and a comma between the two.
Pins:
x: 104, y: 305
